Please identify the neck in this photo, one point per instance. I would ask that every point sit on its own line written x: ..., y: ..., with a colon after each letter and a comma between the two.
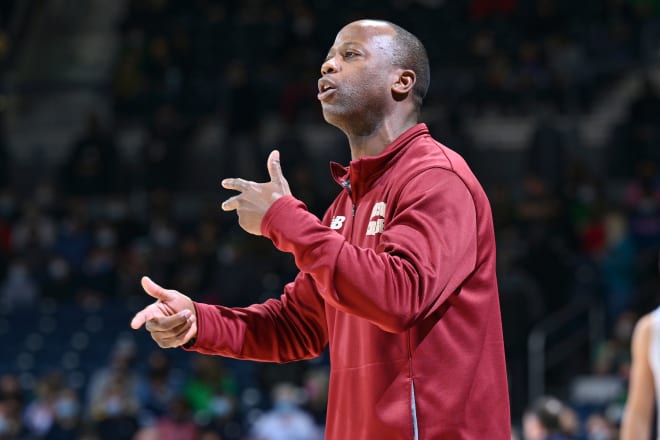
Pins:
x: 372, y: 142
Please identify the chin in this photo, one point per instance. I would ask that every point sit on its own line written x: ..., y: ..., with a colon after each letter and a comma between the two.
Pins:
x: 331, y: 117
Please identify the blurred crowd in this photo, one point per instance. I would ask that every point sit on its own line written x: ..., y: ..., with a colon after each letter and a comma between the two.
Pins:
x: 202, y: 89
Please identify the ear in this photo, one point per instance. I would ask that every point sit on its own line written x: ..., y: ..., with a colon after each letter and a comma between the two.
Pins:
x: 403, y: 84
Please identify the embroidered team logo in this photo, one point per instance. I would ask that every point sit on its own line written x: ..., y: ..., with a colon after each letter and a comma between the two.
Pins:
x: 377, y: 219
x: 337, y: 222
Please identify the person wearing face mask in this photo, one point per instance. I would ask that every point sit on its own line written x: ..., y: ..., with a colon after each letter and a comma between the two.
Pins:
x: 397, y: 278
x: 67, y: 417
x: 19, y: 288
x: 286, y: 420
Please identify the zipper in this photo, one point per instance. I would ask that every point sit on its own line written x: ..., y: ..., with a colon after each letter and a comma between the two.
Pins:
x: 413, y: 409
x: 347, y: 185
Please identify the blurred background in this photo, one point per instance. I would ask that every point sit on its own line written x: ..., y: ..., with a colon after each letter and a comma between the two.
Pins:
x: 118, y: 119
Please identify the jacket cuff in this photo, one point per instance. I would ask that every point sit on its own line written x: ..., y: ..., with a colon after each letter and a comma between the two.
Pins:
x: 277, y: 221
x: 201, y: 312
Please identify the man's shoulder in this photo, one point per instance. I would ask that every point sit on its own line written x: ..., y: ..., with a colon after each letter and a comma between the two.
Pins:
x: 435, y: 152
x: 429, y: 153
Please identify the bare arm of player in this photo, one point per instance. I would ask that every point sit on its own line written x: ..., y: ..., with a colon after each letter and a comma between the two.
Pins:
x: 255, y: 198
x: 171, y: 320
x: 638, y: 416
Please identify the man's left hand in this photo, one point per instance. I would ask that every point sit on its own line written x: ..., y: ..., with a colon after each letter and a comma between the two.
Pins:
x: 255, y: 198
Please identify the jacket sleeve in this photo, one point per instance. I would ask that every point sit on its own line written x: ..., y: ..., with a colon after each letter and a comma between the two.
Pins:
x: 279, y: 330
x: 427, y: 250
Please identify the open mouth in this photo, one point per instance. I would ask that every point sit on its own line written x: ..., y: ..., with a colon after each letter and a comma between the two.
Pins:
x: 327, y: 88
x: 325, y: 91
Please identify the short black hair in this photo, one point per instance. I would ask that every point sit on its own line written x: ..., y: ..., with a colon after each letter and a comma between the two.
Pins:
x: 411, y: 54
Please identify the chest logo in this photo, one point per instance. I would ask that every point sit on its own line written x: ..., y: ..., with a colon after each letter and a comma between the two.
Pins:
x: 337, y: 222
x: 377, y: 219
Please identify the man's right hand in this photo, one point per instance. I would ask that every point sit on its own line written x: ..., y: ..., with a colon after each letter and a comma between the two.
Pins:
x: 171, y: 320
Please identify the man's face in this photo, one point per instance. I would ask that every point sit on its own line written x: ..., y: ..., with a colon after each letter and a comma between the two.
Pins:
x: 357, y: 75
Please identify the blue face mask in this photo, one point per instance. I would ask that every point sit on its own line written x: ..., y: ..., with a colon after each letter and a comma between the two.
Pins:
x: 4, y: 425
x: 221, y: 406
x: 113, y: 407
x: 285, y: 406
x: 66, y: 408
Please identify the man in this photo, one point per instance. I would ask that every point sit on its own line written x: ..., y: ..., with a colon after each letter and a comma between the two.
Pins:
x: 398, y: 278
x: 644, y: 383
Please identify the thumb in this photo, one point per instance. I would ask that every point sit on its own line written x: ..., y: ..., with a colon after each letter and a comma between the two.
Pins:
x: 155, y: 290
x: 274, y: 168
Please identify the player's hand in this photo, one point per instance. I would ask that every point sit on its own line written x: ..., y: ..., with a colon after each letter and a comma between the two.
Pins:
x: 171, y: 320
x: 255, y: 198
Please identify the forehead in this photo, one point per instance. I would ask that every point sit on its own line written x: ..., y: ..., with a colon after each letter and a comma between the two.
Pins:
x: 365, y: 32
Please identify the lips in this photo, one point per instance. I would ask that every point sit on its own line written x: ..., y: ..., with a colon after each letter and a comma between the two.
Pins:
x: 327, y: 88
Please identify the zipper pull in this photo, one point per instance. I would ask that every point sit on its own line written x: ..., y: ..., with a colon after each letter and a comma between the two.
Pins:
x: 353, y: 211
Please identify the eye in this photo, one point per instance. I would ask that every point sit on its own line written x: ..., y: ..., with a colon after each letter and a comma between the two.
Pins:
x: 350, y: 54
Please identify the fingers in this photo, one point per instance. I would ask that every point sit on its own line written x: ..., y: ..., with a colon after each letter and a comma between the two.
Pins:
x: 139, y: 319
x: 176, y: 336
x: 230, y: 204
x: 172, y: 331
x: 191, y: 333
x: 155, y: 290
x: 168, y: 323
x: 144, y: 315
x: 236, y: 184
x: 241, y: 185
x: 274, y: 167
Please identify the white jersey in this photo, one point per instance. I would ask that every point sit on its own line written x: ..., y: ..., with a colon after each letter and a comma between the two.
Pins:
x: 654, y: 359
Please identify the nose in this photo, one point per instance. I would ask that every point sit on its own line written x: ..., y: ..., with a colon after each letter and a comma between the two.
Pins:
x: 329, y: 66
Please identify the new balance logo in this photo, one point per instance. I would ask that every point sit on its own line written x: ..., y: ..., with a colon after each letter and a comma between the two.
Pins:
x: 337, y: 222
x: 377, y: 219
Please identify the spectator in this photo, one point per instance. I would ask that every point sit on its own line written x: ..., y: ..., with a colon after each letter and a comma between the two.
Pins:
x: 543, y: 420
x: 286, y: 420
x: 177, y: 423
x: 617, y: 266
x: 40, y: 412
x: 612, y: 357
x: 93, y: 166
x: 157, y: 388
x: 12, y: 405
x: 598, y: 427
x: 19, y: 289
x: 112, y: 394
x: 68, y: 414
x: 211, y: 390
x: 5, y: 163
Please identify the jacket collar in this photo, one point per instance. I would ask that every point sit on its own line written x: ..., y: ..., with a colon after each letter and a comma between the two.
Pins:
x: 363, y: 172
